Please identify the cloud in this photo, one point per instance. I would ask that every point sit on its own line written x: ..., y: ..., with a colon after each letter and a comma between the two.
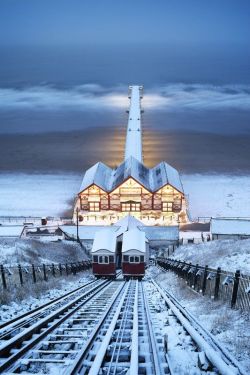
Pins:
x: 89, y: 97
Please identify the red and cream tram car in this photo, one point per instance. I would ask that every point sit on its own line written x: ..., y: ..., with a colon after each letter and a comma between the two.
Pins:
x: 134, y: 254
x: 103, y: 254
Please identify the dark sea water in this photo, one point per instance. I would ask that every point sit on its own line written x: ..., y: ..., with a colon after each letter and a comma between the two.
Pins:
x: 63, y: 108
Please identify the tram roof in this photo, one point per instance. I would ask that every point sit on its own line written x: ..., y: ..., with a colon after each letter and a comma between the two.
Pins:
x: 134, y: 239
x: 104, y: 240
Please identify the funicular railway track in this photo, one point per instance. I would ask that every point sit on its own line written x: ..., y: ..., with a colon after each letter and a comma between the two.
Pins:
x: 119, y: 327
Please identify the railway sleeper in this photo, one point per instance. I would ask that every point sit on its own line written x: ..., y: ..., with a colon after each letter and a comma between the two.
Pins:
x: 123, y: 356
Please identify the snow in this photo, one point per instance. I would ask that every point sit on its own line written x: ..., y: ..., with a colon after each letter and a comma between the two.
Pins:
x: 218, y: 195
x: 11, y: 230
x: 152, y: 179
x: 12, y: 310
x: 85, y: 232
x: 37, y: 194
x: 133, y: 139
x: 53, y: 194
x: 134, y: 239
x: 170, y: 233
x: 99, y: 174
x: 230, y: 327
x: 14, y: 251
x: 104, y: 240
x: 230, y: 255
x: 230, y: 226
x: 127, y: 223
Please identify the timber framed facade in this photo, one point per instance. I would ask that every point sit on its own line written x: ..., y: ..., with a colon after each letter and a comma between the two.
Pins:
x: 155, y: 196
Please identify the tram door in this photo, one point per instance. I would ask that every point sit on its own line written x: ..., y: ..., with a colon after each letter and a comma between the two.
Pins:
x: 119, y: 255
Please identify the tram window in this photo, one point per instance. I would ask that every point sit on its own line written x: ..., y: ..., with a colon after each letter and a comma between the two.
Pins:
x: 137, y: 259
x: 103, y: 259
x: 141, y: 258
x: 131, y: 259
x: 111, y: 259
x: 125, y: 258
x: 95, y: 259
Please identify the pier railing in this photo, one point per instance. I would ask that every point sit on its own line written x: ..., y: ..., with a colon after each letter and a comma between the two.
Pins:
x: 233, y: 288
x: 20, y: 275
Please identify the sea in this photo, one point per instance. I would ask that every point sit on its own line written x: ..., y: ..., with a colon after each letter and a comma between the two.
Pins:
x: 63, y: 108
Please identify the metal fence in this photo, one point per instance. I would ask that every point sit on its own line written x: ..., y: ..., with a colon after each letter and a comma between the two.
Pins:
x: 16, y: 276
x: 233, y: 288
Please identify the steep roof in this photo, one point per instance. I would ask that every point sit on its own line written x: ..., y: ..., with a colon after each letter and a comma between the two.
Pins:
x: 131, y: 168
x: 163, y: 174
x: 99, y: 174
x: 152, y: 179
x: 127, y: 223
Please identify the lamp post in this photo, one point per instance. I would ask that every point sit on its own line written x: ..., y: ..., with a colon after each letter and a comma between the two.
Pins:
x: 77, y: 224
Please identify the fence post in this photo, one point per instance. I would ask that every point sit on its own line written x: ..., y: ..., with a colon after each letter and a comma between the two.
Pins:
x: 204, y: 283
x: 34, y: 273
x: 67, y: 270
x: 235, y: 288
x: 44, y: 273
x: 3, y: 277
x: 53, y: 270
x: 20, y: 274
x: 195, y: 275
x: 60, y: 269
x: 168, y: 251
x: 217, y: 283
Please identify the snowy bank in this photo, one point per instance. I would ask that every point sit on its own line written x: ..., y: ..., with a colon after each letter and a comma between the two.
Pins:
x: 15, y: 251
x: 230, y: 255
x: 230, y: 327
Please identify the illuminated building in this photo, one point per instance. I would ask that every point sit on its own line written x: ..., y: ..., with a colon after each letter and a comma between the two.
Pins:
x: 153, y: 195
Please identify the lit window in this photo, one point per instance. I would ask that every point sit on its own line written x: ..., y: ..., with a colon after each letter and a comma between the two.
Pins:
x: 131, y: 206
x: 94, y: 206
x: 167, y: 206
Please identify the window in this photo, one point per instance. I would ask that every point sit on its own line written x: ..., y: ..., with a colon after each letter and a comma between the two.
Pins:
x: 111, y: 259
x: 103, y: 259
x: 125, y: 258
x: 95, y: 259
x: 167, y: 206
x: 131, y: 206
x: 141, y: 258
x: 134, y: 259
x: 94, y: 206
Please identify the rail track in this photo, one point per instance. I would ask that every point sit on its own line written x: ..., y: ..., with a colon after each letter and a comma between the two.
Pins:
x: 117, y: 327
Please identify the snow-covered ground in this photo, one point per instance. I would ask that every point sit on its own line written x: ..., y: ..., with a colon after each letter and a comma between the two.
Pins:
x: 218, y: 195
x: 53, y: 194
x: 15, y: 251
x: 230, y: 255
x: 230, y: 327
x: 15, y: 308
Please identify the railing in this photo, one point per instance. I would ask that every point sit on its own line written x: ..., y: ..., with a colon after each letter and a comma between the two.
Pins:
x: 33, y: 219
x: 16, y: 276
x: 233, y: 288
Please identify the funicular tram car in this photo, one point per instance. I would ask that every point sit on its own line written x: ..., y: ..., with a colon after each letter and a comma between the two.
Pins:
x: 134, y: 254
x: 103, y: 254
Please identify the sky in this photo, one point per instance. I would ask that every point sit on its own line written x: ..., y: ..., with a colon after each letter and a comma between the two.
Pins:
x: 63, y: 22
